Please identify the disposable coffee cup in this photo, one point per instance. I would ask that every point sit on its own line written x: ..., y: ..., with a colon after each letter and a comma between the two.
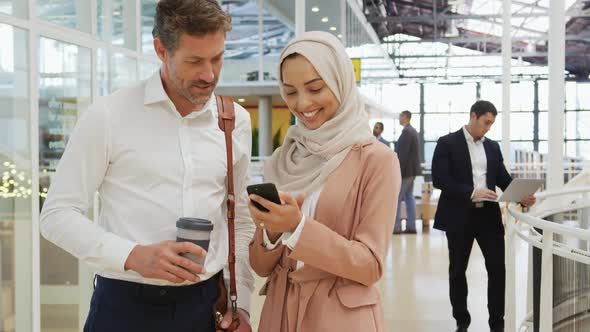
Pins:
x: 197, y: 231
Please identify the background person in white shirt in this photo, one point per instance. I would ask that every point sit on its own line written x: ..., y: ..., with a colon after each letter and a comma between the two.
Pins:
x: 467, y: 167
x: 155, y: 153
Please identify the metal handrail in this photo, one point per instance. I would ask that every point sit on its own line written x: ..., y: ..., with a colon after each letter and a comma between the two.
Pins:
x: 551, y: 226
x: 553, y: 193
x: 527, y: 231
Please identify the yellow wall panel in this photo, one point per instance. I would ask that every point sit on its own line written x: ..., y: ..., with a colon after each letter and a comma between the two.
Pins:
x: 281, y: 120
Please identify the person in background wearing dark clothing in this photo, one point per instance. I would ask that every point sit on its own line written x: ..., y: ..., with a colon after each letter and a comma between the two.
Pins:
x: 408, y: 152
x: 467, y: 167
x: 377, y: 131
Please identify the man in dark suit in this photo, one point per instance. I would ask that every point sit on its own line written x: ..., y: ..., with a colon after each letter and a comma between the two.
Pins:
x: 377, y: 131
x: 467, y: 167
x: 408, y: 153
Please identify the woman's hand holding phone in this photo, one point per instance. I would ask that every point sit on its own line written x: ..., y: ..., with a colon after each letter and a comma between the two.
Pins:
x: 280, y: 218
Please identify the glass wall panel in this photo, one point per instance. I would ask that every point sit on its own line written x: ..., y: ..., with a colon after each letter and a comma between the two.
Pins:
x: 457, y: 120
x: 402, y: 97
x: 102, y: 72
x: 64, y: 92
x: 116, y: 22
x: 577, y: 149
x: 449, y: 98
x: 123, y: 71
x: 148, y: 10
x: 436, y: 125
x: 520, y: 146
x: 522, y: 97
x: 276, y: 35
x: 577, y: 125
x: 543, y: 125
x: 543, y: 147
x: 583, y: 149
x: 114, y: 71
x: 495, y: 132
x: 147, y: 69
x: 373, y: 91
x: 583, y: 95
x: 73, y: 14
x: 15, y: 183
x: 521, y: 125
x: 492, y: 92
x: 577, y: 96
x: 429, y: 151
x: 18, y: 8
x: 543, y: 95
x: 241, y: 59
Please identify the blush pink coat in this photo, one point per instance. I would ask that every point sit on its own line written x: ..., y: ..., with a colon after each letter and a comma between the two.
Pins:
x: 342, y: 247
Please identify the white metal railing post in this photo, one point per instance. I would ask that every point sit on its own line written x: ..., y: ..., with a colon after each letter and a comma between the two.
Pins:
x: 546, y: 307
x: 510, y: 309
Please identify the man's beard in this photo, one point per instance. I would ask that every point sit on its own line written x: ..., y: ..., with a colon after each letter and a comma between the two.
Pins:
x: 194, y: 98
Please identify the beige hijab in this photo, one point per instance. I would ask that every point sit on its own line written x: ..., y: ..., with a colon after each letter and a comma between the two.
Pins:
x: 307, y: 157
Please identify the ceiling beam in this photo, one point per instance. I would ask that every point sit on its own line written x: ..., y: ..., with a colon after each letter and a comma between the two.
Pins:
x: 493, y: 21
x: 448, y: 17
x: 480, y: 39
x: 514, y: 55
x: 534, y: 5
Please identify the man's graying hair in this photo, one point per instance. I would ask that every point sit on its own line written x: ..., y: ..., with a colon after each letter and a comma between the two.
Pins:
x: 193, y: 17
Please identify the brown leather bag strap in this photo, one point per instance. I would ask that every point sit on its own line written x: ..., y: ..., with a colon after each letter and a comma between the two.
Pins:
x: 225, y: 109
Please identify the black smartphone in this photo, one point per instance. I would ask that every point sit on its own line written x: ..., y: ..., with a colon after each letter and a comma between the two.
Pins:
x: 267, y: 191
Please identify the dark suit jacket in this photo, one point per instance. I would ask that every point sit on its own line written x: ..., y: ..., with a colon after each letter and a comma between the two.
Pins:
x: 408, y: 152
x: 452, y: 173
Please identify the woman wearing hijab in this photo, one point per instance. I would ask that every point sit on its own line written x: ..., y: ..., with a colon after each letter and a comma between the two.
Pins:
x: 323, y: 248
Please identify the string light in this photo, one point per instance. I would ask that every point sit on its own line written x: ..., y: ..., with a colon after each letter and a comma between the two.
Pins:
x: 12, y: 183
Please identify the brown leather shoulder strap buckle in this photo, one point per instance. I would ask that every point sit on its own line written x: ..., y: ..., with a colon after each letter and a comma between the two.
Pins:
x: 226, y: 112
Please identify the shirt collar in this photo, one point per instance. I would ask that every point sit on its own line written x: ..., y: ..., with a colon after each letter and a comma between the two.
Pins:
x: 155, y: 93
x: 154, y: 90
x: 469, y: 138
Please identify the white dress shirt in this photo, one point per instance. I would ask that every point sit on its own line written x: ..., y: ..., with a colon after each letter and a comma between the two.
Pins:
x: 479, y: 161
x: 290, y: 239
x: 150, y: 166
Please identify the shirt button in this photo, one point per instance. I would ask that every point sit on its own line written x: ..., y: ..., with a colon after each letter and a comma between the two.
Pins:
x: 163, y: 292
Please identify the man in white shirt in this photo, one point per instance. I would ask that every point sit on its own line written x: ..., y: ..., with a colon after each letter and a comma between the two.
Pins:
x: 467, y: 167
x: 155, y: 153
